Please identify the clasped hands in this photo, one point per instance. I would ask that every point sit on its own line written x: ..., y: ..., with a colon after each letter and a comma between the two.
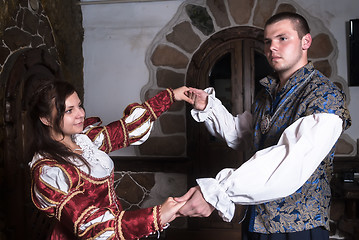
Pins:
x: 197, y: 97
x: 191, y: 204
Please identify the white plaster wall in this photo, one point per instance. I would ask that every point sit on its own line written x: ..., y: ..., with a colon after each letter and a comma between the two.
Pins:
x: 335, y: 15
x: 115, y: 43
x: 117, y: 37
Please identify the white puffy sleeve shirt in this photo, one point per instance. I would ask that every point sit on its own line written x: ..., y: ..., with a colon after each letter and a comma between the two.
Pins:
x: 273, y: 172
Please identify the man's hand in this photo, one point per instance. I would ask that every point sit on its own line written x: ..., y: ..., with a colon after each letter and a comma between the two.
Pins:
x: 195, y: 206
x: 200, y: 98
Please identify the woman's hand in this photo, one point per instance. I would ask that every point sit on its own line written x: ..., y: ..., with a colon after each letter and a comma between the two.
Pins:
x: 169, y: 210
x: 181, y: 94
x: 196, y: 205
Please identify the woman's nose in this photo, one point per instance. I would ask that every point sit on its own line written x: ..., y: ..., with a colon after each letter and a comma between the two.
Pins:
x: 81, y: 112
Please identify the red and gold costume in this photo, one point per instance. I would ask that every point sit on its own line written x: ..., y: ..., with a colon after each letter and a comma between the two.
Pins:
x: 83, y: 199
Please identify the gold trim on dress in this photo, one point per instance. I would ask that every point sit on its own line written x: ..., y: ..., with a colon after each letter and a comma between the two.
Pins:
x: 170, y: 92
x: 120, y: 225
x: 124, y: 133
x: 155, y: 221
x: 151, y: 110
x: 61, y: 205
x: 80, y: 218
x: 108, y: 139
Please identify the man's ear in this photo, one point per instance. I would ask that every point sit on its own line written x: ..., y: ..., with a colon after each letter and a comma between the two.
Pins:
x: 306, y: 41
x: 45, y: 121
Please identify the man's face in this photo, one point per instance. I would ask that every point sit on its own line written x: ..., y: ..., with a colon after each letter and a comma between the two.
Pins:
x: 283, y: 48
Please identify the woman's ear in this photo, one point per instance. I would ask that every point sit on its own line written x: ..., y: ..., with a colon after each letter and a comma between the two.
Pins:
x: 45, y: 121
x: 306, y: 41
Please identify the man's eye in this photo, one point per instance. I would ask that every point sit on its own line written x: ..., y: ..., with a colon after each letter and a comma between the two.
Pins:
x: 283, y: 38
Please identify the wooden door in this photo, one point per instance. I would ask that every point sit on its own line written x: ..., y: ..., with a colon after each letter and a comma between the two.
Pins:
x: 232, y: 68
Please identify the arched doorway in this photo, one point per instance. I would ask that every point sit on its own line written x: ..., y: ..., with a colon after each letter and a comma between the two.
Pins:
x: 232, y: 62
x: 25, y: 69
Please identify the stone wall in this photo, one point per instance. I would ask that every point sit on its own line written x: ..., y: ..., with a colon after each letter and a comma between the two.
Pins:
x: 54, y: 26
x: 173, y: 49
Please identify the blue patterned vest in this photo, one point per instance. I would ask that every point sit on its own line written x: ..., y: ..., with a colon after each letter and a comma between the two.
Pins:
x: 308, y: 91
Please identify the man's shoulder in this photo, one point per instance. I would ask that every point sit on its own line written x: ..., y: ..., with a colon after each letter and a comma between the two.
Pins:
x: 322, y: 83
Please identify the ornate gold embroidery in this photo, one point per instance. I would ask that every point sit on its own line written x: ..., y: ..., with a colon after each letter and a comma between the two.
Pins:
x: 61, y: 205
x: 54, y: 188
x: 151, y: 110
x: 124, y: 133
x: 84, y: 213
x: 155, y: 218
x: 108, y: 140
x: 119, y: 225
x: 95, y: 181
x: 101, y: 232
x: 171, y: 95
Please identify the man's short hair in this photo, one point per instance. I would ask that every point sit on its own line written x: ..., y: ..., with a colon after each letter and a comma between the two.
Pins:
x: 299, y: 22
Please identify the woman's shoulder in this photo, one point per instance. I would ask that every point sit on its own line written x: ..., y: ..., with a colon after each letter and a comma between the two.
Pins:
x: 39, y: 163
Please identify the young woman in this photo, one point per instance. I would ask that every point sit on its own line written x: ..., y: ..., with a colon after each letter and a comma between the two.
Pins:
x: 72, y: 175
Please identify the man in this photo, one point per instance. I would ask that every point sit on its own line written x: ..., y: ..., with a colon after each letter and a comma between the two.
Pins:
x: 295, y: 123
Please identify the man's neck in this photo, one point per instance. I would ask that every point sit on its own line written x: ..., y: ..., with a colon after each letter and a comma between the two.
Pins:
x: 284, y: 76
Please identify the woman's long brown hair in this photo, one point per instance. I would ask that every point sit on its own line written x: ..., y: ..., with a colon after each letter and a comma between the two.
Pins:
x: 49, y: 96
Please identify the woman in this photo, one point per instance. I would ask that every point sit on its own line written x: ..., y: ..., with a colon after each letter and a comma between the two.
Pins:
x: 72, y: 175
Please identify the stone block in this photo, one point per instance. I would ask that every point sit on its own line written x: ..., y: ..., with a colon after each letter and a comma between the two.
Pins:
x: 169, y: 79
x: 165, y: 55
x: 200, y: 18
x: 324, y: 67
x: 240, y: 10
x: 15, y: 38
x: 36, y: 41
x: 263, y: 10
x: 184, y: 37
x: 284, y: 7
x: 219, y: 11
x: 133, y: 187
x: 321, y: 46
x: 31, y: 22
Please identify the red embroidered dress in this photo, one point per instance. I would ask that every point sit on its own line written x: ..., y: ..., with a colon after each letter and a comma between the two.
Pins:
x: 84, y: 202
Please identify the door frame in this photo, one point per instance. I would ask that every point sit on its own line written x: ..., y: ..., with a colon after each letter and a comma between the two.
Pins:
x: 198, y: 76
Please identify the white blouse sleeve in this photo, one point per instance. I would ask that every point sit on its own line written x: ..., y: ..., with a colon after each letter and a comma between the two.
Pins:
x: 277, y: 171
x: 54, y: 177
x: 144, y: 130
x: 223, y: 124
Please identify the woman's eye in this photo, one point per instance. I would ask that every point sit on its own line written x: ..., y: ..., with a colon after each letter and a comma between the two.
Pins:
x: 68, y: 111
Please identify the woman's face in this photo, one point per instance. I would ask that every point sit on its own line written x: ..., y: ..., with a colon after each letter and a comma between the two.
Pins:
x: 72, y: 122
x: 74, y: 116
